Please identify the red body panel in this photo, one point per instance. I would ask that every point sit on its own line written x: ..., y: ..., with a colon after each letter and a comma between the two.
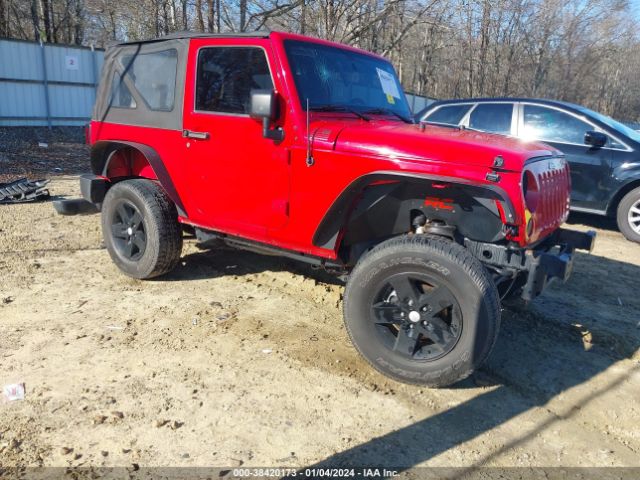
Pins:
x: 240, y: 183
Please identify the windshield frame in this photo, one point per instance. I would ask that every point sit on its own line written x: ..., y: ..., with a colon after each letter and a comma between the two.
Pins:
x: 343, y: 108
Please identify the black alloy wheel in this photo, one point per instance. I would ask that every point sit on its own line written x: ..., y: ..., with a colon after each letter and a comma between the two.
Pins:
x: 422, y: 309
x: 416, y: 316
x: 128, y: 231
x: 140, y: 228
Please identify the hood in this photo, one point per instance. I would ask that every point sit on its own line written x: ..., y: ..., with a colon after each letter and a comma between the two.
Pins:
x: 411, y: 142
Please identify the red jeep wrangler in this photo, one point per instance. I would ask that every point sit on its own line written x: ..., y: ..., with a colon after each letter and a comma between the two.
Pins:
x: 294, y: 146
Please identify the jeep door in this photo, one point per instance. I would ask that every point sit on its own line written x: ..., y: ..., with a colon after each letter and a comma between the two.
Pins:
x: 240, y: 180
x: 590, y: 166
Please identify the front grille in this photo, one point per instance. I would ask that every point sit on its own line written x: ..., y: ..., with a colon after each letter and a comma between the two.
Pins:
x: 554, y: 184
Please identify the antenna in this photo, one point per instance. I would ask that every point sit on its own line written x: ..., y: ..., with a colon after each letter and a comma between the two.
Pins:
x: 310, y: 161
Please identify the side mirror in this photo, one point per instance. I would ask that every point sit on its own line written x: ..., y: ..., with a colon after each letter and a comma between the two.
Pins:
x: 595, y: 139
x: 264, y: 106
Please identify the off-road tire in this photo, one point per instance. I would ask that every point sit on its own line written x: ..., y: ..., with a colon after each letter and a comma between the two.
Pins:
x: 160, y: 222
x: 631, y: 199
x: 446, y: 262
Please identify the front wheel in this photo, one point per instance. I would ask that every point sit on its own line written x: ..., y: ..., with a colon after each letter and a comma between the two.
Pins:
x: 629, y: 215
x: 422, y: 310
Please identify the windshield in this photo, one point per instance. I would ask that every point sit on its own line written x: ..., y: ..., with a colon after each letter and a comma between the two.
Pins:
x: 342, y: 80
x: 620, y: 127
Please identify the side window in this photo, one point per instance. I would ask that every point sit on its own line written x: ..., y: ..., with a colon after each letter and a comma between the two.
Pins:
x: 448, y: 114
x: 548, y: 124
x: 154, y: 77
x: 120, y: 94
x: 492, y: 117
x: 226, y: 76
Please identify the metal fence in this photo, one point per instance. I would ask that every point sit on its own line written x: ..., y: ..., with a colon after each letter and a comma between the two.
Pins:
x: 47, y: 84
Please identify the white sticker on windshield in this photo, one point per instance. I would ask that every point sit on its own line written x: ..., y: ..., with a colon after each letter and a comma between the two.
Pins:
x: 388, y: 83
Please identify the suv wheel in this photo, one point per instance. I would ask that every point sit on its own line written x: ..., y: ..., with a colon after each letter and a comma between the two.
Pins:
x: 140, y: 228
x: 422, y: 310
x: 629, y: 215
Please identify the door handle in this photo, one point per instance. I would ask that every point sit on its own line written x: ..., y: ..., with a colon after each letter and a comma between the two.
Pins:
x: 195, y: 135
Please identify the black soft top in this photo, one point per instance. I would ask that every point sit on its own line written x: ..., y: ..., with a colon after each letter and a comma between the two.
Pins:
x: 189, y: 35
x: 143, y: 81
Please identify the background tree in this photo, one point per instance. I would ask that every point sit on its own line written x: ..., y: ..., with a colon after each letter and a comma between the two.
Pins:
x: 584, y: 51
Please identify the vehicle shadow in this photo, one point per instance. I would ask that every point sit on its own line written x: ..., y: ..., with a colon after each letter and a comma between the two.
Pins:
x: 562, y: 340
x: 230, y: 261
x: 596, y: 221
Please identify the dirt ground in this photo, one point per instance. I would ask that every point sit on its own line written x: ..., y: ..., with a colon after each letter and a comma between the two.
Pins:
x: 237, y: 359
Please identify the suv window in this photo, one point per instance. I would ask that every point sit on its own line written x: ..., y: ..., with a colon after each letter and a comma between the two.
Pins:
x: 448, y: 115
x: 551, y: 125
x: 154, y: 77
x: 226, y: 76
x: 492, y: 117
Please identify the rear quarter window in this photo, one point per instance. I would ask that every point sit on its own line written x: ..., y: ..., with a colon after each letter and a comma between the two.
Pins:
x: 154, y: 77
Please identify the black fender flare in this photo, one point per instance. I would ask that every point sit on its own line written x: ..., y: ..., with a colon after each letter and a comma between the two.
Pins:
x: 327, y: 233
x: 102, y: 152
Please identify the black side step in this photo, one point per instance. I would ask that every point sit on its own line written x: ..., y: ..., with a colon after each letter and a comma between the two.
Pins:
x: 74, y: 206
x: 208, y: 239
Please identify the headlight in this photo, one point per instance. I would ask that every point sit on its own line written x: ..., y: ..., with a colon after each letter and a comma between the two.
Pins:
x: 530, y: 190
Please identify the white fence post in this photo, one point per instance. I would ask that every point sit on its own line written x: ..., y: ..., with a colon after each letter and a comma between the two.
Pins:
x: 45, y: 81
x: 94, y: 68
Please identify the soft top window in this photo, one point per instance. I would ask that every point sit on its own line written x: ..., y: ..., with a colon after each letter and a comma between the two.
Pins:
x: 154, y: 77
x: 120, y: 94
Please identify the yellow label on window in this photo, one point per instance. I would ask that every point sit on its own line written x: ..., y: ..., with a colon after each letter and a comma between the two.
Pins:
x: 390, y: 99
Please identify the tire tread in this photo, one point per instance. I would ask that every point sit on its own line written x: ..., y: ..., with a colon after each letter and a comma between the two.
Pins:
x: 459, y: 255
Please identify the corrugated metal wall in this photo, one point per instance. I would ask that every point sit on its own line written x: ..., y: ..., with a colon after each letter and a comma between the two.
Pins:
x: 47, y: 84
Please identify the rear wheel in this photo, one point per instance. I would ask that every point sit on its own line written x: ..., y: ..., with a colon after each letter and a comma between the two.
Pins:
x: 140, y: 228
x: 422, y: 310
x: 629, y: 215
